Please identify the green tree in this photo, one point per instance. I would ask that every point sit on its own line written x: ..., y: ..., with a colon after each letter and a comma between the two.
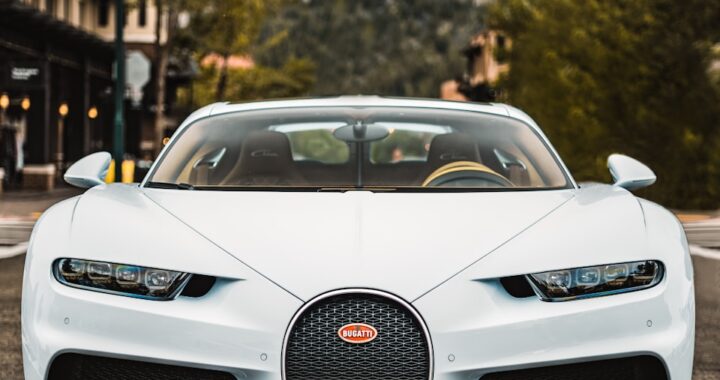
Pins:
x: 292, y: 79
x: 383, y: 47
x: 227, y: 27
x: 629, y: 76
x: 232, y: 27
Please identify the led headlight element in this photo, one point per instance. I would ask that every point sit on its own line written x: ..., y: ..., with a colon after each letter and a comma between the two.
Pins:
x: 569, y: 284
x: 121, y: 279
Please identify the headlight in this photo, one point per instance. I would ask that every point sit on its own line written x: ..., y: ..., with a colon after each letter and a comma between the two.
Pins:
x: 121, y: 279
x: 569, y: 284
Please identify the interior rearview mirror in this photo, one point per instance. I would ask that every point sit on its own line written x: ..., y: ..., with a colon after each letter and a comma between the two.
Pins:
x: 89, y: 171
x: 361, y: 132
x: 629, y: 173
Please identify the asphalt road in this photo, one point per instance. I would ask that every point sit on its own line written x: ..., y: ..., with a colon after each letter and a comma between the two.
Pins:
x: 707, y: 351
x: 707, y: 318
x: 11, y: 271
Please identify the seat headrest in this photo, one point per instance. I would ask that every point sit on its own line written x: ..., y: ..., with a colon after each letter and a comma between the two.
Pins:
x: 265, y: 153
x: 451, y: 147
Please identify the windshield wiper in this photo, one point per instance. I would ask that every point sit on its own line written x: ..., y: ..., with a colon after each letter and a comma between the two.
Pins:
x: 345, y: 189
x: 329, y: 189
x: 170, y: 185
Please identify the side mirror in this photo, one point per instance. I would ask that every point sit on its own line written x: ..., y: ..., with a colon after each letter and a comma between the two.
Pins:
x: 629, y: 173
x: 89, y: 171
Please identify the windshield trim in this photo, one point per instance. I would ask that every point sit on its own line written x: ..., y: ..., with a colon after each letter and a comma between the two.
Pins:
x: 570, y: 181
x: 344, y: 189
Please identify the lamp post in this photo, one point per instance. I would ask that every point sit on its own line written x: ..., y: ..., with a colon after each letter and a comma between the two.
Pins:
x: 92, y: 114
x: 4, y: 104
x: 63, y: 110
x: 119, y: 132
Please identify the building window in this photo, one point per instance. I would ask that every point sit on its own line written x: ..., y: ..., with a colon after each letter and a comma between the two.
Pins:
x: 50, y: 7
x: 103, y: 13
x: 501, y: 49
x: 142, y: 12
x: 500, y: 39
x: 81, y: 11
x: 66, y: 10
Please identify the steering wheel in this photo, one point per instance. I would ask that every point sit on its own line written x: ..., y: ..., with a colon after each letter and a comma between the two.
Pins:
x: 466, y: 174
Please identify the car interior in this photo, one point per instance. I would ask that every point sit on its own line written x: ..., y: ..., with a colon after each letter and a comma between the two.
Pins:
x: 340, y: 152
x: 265, y: 158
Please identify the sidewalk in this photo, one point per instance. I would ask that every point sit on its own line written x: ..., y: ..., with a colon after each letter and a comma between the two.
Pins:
x: 18, y: 212
x: 688, y: 216
x: 29, y: 205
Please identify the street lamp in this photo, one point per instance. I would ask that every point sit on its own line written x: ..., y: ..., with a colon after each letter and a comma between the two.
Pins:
x: 4, y: 104
x: 25, y: 103
x: 93, y: 113
x: 63, y: 111
x: 4, y: 101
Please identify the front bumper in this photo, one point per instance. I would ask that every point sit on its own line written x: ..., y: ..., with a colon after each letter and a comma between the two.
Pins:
x: 229, y: 329
x: 476, y: 327
x: 493, y: 332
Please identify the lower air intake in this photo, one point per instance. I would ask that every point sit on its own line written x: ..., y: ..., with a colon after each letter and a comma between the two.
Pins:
x: 400, y: 351
x: 86, y: 367
x: 633, y: 368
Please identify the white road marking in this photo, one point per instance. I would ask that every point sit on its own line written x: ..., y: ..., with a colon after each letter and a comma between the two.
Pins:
x: 18, y: 249
x: 705, y: 252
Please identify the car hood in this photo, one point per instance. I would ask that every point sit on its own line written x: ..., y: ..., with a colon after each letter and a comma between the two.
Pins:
x: 404, y: 243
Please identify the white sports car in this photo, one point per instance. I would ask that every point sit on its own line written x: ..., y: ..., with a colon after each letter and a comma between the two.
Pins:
x: 358, y: 238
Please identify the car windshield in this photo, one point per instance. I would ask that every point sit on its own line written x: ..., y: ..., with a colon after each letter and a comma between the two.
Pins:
x: 345, y: 148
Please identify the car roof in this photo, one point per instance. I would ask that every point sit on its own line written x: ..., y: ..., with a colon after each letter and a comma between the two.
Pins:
x: 361, y: 101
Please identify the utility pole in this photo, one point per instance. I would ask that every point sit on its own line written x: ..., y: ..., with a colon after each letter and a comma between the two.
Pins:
x: 119, y: 130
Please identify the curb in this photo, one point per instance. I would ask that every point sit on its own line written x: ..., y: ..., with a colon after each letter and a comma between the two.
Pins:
x: 15, y: 250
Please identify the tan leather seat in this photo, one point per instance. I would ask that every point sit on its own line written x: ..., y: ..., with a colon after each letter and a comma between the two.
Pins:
x: 519, y: 176
x: 452, y: 147
x: 449, y: 148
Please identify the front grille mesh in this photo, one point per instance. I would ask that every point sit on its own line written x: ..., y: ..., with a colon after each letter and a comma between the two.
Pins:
x: 314, y: 350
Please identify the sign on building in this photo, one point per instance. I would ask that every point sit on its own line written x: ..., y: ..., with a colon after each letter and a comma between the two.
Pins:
x: 23, y: 74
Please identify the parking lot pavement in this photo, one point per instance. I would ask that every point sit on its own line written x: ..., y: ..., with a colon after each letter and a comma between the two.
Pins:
x: 707, y: 347
x: 11, y: 270
x: 705, y: 233
x: 28, y: 205
x: 707, y: 309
